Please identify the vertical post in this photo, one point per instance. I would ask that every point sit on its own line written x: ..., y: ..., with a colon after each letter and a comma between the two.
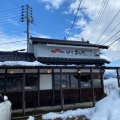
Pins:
x: 5, y: 82
x: 102, y: 83
x: 61, y: 91
x: 118, y: 77
x: 38, y: 76
x: 23, y: 87
x: 27, y: 17
x: 53, y: 87
x: 93, y: 97
x: 79, y: 83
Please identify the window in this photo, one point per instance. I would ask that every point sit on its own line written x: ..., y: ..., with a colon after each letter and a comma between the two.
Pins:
x: 14, y: 83
x: 74, y: 81
x: 96, y: 80
x: 1, y: 98
x: 57, y: 81
x: 2, y: 82
x: 85, y: 81
x: 31, y: 82
x: 65, y: 81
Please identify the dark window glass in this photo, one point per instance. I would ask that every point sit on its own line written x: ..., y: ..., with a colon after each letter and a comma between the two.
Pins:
x: 74, y: 81
x: 85, y: 81
x: 96, y: 80
x: 2, y: 82
x: 65, y: 81
x: 57, y: 81
x: 14, y: 83
x: 1, y: 98
x: 31, y: 82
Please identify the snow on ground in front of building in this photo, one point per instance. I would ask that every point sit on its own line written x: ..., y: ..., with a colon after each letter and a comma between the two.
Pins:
x: 110, y: 85
x: 106, y: 109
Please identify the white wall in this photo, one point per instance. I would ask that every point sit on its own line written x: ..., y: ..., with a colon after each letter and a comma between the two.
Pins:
x: 42, y: 50
x: 45, y: 81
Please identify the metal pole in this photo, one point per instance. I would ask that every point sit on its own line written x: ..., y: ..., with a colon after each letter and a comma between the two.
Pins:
x: 27, y: 17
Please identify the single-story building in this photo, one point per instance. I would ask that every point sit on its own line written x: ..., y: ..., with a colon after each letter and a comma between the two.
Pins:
x: 66, y: 72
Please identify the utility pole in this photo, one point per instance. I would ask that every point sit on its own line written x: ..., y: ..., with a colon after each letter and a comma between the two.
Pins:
x: 26, y: 16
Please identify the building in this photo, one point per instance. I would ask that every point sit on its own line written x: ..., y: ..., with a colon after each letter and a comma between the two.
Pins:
x: 68, y: 72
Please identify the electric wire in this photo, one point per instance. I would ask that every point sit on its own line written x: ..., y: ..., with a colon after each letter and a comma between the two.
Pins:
x: 74, y: 19
x: 15, y: 3
x: 110, y: 32
x: 108, y: 26
x: 52, y: 27
x: 9, y: 10
x: 13, y: 42
x: 96, y: 20
x: 47, y: 28
x: 112, y: 37
x: 113, y: 42
x: 99, y: 18
x: 48, y: 20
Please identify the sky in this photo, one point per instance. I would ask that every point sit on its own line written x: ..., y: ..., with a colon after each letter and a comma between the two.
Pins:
x: 97, y: 21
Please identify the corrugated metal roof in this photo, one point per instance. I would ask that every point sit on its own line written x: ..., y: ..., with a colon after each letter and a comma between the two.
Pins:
x: 36, y: 40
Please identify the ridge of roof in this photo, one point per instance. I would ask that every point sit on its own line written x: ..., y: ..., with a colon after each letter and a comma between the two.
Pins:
x: 36, y: 40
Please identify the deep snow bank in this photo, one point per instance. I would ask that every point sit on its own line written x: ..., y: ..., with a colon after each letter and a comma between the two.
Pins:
x: 106, y: 109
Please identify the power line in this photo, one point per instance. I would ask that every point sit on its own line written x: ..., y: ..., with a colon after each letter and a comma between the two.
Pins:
x: 114, y: 42
x: 112, y: 37
x: 13, y: 42
x: 9, y: 10
x: 108, y: 25
x: 98, y: 19
x: 52, y: 27
x: 48, y: 20
x: 110, y: 32
x: 47, y: 28
x: 74, y: 20
x: 15, y: 3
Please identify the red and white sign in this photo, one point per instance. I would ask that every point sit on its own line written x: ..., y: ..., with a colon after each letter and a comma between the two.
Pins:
x: 57, y: 51
x: 76, y: 52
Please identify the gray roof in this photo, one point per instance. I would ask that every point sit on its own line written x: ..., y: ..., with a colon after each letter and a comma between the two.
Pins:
x: 36, y: 40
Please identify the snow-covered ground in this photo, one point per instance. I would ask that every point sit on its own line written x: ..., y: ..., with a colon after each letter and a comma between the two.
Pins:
x: 106, y: 109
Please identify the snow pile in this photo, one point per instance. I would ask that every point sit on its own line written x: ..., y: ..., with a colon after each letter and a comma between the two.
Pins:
x: 110, y: 85
x: 106, y: 109
x: 30, y: 118
x: 67, y: 114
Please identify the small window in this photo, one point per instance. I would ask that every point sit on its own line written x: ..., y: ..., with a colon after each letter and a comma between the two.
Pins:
x: 65, y: 81
x: 2, y: 82
x: 31, y: 82
x: 96, y: 80
x: 57, y: 81
x: 1, y: 98
x: 14, y: 83
x: 85, y: 81
x: 74, y: 81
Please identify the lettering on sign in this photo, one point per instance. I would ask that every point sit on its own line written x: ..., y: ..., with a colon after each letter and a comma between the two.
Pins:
x: 71, y: 52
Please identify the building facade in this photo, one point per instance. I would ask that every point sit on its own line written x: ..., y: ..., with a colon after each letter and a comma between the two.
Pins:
x: 69, y: 72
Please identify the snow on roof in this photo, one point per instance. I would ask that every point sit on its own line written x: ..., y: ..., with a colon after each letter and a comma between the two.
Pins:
x: 21, y: 63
